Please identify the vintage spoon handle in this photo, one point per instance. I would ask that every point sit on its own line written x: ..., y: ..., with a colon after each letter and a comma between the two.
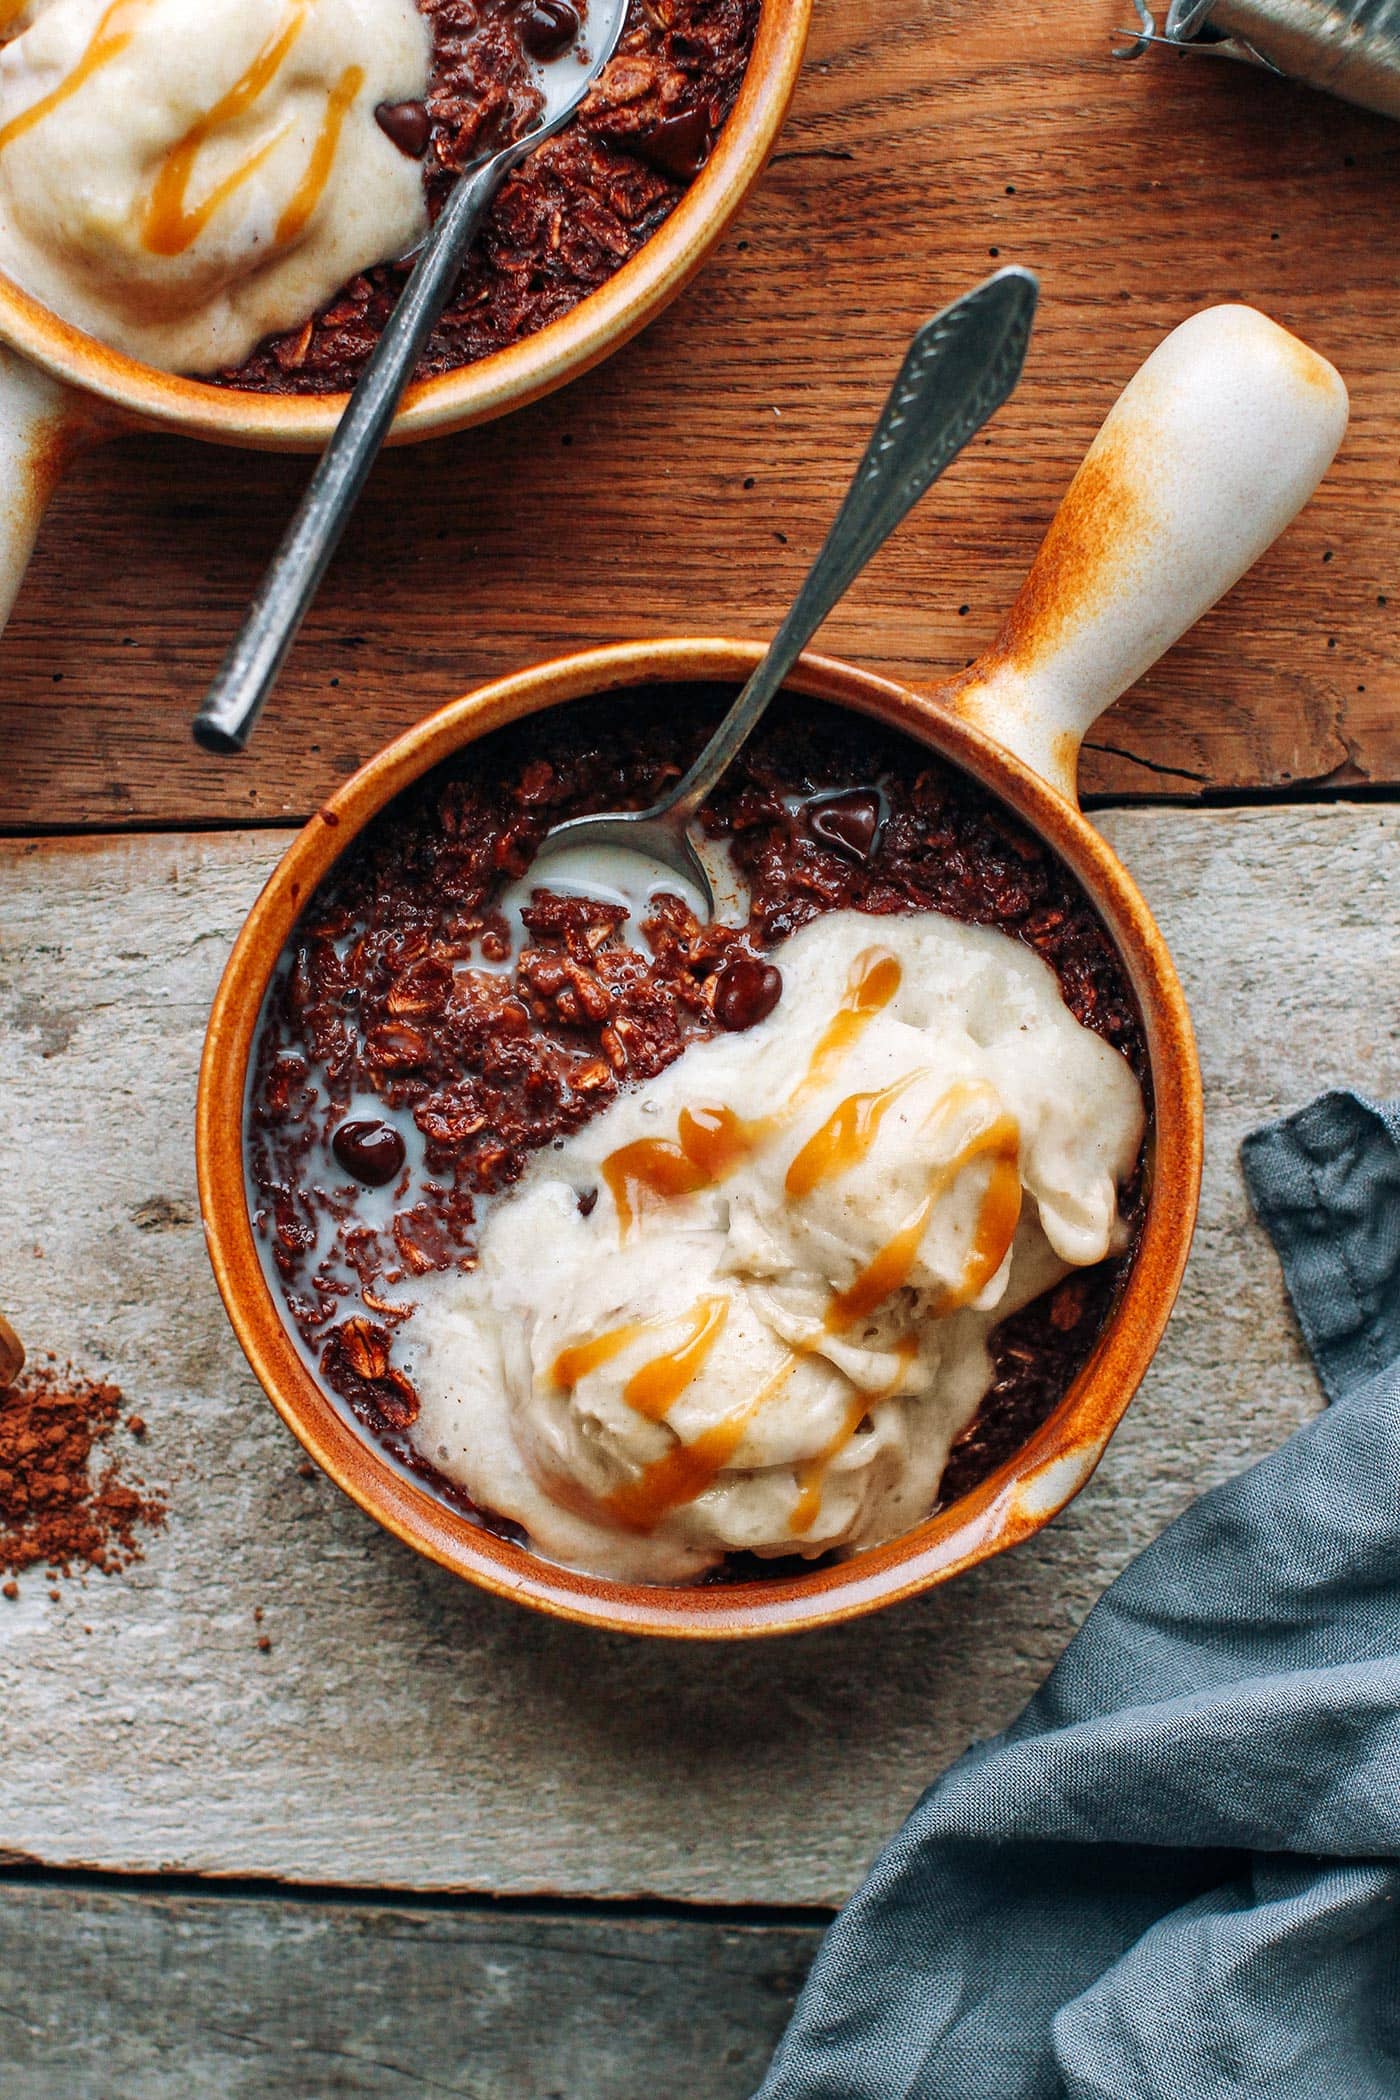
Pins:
x: 250, y: 670
x: 960, y: 368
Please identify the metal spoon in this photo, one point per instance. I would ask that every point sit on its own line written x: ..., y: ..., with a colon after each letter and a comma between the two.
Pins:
x: 960, y: 368
x: 251, y: 668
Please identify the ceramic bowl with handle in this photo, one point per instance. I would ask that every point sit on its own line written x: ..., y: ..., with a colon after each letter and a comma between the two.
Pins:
x: 1212, y: 448
x: 61, y: 390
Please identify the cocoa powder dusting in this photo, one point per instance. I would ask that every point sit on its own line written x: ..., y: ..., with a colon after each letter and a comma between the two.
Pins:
x: 63, y: 1500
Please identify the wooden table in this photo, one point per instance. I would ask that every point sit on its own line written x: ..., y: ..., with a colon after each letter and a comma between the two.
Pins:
x: 425, y: 1843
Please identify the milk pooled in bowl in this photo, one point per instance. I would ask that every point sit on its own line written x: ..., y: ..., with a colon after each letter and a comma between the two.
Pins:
x: 746, y: 1308
x: 184, y: 177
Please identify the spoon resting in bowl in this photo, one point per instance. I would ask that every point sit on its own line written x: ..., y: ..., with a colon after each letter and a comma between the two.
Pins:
x: 960, y: 368
x: 250, y: 670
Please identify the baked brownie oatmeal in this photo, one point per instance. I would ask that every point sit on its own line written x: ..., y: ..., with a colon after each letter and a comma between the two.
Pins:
x: 578, y: 209
x: 410, y: 1063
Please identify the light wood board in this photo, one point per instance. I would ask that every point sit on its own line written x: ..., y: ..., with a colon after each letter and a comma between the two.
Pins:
x: 406, y: 1731
x: 683, y: 487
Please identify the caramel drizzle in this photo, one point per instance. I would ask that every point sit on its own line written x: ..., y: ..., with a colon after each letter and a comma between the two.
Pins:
x: 711, y: 1141
x: 108, y: 42
x: 811, y: 1478
x: 890, y: 1269
x: 844, y: 1139
x: 655, y: 1387
x: 168, y: 227
x: 681, y: 1477
x: 686, y: 1471
x: 874, y: 980
x: 312, y: 186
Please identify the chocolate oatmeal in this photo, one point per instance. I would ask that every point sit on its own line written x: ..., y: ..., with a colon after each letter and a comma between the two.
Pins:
x: 412, y: 1062
x: 579, y: 208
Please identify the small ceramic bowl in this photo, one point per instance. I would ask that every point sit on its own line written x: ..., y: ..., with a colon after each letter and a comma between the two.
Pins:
x: 61, y: 390
x: 1209, y: 452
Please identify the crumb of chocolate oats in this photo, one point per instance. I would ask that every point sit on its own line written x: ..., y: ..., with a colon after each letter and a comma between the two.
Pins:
x: 136, y: 1424
x: 60, y: 1505
x: 264, y: 1644
x: 10, y: 1590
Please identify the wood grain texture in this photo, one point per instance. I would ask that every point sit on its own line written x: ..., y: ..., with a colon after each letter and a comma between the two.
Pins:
x: 405, y: 1730
x: 682, y: 488
x: 124, y: 1996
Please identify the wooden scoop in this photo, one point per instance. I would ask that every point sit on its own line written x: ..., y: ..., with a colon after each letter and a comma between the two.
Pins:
x: 11, y: 1354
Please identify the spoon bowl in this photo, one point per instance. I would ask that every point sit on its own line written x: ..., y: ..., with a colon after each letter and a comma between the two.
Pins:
x: 652, y: 838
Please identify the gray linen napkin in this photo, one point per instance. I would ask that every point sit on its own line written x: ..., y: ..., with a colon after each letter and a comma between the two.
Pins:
x: 1178, y: 1873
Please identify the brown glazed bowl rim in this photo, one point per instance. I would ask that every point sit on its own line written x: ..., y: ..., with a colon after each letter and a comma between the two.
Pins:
x: 1017, y: 1499
x: 493, y: 385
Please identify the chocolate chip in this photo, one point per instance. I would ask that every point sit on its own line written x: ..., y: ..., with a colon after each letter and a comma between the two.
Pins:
x: 549, y: 28
x: 411, y: 129
x: 746, y: 991
x: 587, y: 1202
x: 850, y: 823
x: 370, y: 1150
x: 679, y: 146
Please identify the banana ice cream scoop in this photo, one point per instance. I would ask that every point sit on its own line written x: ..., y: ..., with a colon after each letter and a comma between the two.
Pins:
x: 184, y: 177
x: 747, y: 1307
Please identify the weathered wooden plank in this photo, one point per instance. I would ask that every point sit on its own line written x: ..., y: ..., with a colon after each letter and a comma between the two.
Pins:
x: 683, y: 487
x: 110, y: 1995
x: 405, y: 1730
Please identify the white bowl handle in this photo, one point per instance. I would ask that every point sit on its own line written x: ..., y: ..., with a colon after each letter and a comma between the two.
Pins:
x: 1205, y: 457
x: 42, y: 423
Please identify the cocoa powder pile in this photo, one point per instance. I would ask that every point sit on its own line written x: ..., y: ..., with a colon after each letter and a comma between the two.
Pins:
x: 60, y: 1504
